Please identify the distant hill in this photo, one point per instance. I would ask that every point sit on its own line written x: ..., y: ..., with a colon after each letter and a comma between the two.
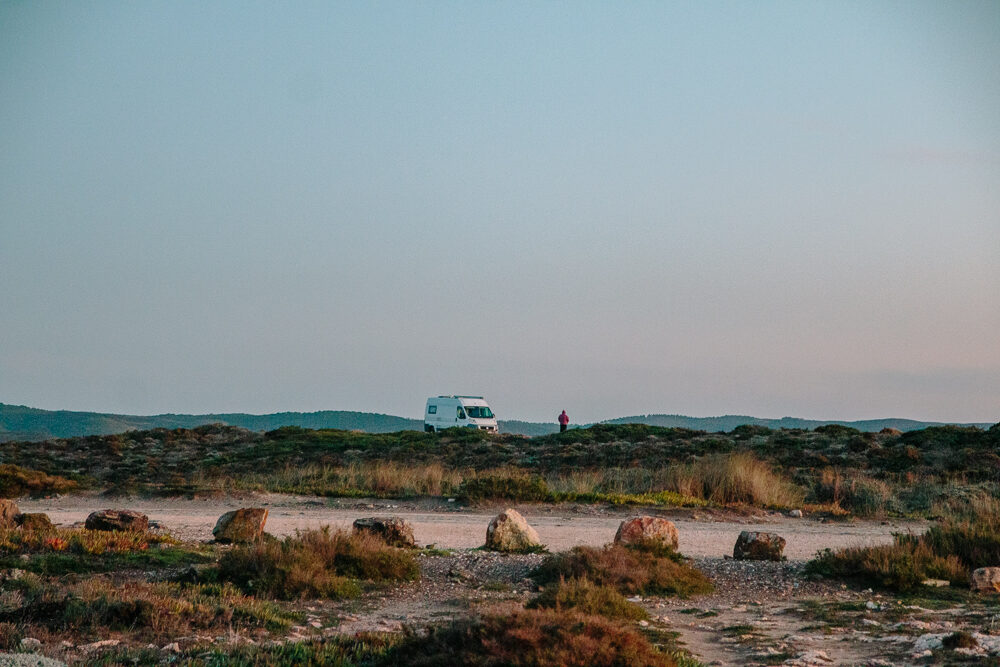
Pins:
x: 18, y: 422
x: 729, y: 422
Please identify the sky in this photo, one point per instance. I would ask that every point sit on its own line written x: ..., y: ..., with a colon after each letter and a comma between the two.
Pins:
x: 699, y: 208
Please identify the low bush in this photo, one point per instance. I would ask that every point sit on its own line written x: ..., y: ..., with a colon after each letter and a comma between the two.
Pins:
x: 535, y: 637
x: 967, y: 539
x: 505, y: 485
x: 649, y: 569
x: 585, y: 597
x: 316, y: 564
x: 16, y: 481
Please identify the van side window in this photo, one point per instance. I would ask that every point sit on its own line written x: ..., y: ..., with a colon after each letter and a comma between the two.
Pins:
x: 432, y: 409
x: 461, y: 413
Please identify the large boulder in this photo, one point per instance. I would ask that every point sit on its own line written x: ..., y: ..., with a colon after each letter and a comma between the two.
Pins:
x: 8, y: 513
x: 753, y: 545
x: 122, y: 520
x: 393, y: 530
x: 647, y: 529
x: 509, y: 532
x: 986, y: 580
x: 242, y: 525
x: 36, y: 521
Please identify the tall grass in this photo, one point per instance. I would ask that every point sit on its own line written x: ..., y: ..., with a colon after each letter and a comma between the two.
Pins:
x: 378, y: 480
x: 722, y: 479
x: 734, y: 478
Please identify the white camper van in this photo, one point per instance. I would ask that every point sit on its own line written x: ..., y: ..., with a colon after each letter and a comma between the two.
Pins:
x: 448, y: 411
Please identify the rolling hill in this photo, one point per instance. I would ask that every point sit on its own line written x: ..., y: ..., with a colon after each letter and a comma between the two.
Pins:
x: 18, y: 422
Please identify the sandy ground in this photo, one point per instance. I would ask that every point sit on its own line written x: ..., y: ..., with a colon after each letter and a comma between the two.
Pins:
x: 448, y: 526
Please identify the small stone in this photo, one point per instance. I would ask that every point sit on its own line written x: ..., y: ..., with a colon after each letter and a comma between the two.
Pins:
x: 510, y: 532
x: 752, y: 545
x: 172, y: 647
x: 795, y: 514
x: 240, y: 526
x: 8, y: 512
x: 122, y: 520
x: 986, y: 580
x: 34, y: 521
x: 644, y: 624
x: 647, y: 529
x: 393, y: 530
x: 30, y: 643
x: 936, y: 583
x: 104, y: 643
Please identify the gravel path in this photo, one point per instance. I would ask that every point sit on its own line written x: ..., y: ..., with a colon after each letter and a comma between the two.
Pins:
x: 446, y: 525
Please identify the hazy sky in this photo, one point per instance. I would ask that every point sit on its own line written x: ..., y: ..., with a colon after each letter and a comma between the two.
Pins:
x: 768, y: 208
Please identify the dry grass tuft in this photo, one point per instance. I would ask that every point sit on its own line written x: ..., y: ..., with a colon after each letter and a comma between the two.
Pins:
x: 316, y: 564
x: 734, y: 478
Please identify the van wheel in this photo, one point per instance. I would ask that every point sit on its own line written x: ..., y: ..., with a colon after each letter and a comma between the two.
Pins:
x: 428, y: 428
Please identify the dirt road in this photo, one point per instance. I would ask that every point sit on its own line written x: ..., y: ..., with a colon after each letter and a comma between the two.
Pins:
x: 448, y: 526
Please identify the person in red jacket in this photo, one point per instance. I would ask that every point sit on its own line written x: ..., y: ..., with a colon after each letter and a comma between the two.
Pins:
x: 563, y: 421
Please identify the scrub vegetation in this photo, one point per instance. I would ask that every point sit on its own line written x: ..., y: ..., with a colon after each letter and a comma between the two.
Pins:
x: 834, y: 468
x: 967, y: 539
x: 316, y: 564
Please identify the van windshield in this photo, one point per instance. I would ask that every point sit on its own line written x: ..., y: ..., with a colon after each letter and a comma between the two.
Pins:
x: 479, y: 412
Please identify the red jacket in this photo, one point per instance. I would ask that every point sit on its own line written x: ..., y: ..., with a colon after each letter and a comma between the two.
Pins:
x: 564, y: 418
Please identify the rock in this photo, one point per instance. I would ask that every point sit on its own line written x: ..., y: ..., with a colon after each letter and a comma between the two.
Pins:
x: 460, y: 573
x: 172, y: 647
x: 30, y: 643
x: 122, y: 520
x: 986, y: 580
x: 8, y: 513
x: 393, y: 530
x: 96, y: 646
x: 34, y: 521
x: 795, y: 514
x: 509, y: 532
x: 936, y: 583
x: 242, y: 525
x: 753, y: 545
x: 647, y: 529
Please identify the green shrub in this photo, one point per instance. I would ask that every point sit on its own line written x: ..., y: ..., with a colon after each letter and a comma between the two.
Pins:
x: 585, y: 597
x: 316, y: 564
x: 900, y: 566
x: 512, y: 485
x: 646, y: 569
x: 534, y: 637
